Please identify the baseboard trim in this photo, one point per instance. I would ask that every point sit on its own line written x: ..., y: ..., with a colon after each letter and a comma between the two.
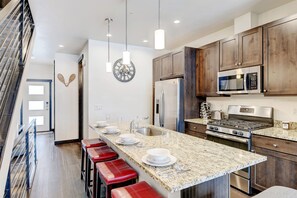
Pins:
x: 66, y: 141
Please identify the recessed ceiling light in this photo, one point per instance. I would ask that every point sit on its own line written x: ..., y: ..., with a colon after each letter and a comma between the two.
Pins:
x: 108, y: 35
x: 176, y: 21
x: 145, y: 41
x: 61, y: 46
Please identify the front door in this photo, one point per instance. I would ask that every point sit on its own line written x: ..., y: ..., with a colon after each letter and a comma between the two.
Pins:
x: 37, y: 104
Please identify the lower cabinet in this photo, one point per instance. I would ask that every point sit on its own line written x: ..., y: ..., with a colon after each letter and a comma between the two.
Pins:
x: 279, y: 169
x: 197, y: 130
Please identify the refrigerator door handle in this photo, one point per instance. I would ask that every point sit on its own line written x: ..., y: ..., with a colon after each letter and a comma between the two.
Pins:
x: 162, y: 106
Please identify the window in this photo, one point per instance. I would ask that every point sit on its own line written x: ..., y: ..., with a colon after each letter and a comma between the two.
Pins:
x: 36, y: 105
x: 36, y: 90
x: 39, y: 120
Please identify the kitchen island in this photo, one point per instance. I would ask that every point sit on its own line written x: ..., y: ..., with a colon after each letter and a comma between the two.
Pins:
x: 205, y: 165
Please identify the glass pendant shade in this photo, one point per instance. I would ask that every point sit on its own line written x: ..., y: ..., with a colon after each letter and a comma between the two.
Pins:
x: 108, y: 67
x: 159, y: 39
x: 126, y: 58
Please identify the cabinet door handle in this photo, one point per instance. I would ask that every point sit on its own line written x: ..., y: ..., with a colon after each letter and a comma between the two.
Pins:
x: 253, y: 151
x: 274, y: 145
x: 236, y: 64
x: 239, y: 63
x: 265, y: 91
x: 195, y: 127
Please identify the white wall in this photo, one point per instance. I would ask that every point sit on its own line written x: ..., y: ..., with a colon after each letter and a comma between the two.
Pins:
x: 118, y: 99
x: 66, y: 110
x: 285, y: 108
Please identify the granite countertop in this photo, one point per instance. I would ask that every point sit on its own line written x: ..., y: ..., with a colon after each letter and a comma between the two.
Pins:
x: 198, y: 121
x: 280, y: 133
x: 205, y: 159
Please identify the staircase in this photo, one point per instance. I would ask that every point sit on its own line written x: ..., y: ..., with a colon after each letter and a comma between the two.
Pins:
x: 16, y: 32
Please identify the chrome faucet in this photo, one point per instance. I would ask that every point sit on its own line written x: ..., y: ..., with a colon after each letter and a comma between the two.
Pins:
x: 132, y: 123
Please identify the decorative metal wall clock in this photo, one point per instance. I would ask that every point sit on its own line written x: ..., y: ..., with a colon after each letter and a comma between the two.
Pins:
x: 123, y: 73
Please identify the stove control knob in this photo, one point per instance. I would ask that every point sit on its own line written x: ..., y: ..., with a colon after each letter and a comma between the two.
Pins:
x: 240, y: 133
x: 235, y: 132
x: 216, y: 128
x: 211, y: 128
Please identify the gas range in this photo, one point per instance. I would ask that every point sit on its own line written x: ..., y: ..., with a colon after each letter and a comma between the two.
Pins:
x: 243, y: 120
x: 236, y: 127
x: 236, y: 132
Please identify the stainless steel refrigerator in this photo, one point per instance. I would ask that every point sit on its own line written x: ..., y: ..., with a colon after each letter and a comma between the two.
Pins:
x: 169, y: 104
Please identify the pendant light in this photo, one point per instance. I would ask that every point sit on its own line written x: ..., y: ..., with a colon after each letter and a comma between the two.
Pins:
x: 159, y: 33
x: 108, y: 63
x: 126, y: 53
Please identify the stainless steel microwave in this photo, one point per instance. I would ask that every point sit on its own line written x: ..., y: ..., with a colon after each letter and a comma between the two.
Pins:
x: 240, y: 81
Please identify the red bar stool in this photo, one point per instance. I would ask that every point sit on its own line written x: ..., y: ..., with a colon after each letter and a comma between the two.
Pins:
x: 95, y: 155
x: 116, y: 173
x: 138, y: 190
x: 85, y: 144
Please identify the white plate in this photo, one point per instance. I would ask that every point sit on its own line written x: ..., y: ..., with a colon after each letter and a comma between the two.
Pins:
x: 135, y: 141
x: 172, y: 161
x: 166, y: 160
x: 101, y: 126
x: 113, y: 132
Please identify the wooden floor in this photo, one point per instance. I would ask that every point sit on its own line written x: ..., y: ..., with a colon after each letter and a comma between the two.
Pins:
x: 58, y: 170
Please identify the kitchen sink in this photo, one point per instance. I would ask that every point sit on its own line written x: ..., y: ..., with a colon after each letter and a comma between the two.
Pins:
x: 149, y: 131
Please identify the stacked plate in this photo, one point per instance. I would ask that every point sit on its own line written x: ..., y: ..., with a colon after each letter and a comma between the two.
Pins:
x: 111, y: 130
x: 158, y: 157
x: 127, y: 139
x: 101, y: 124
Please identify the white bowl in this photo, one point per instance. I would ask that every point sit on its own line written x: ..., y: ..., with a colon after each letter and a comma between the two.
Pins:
x: 127, y: 137
x: 111, y: 129
x: 101, y: 123
x: 158, y: 154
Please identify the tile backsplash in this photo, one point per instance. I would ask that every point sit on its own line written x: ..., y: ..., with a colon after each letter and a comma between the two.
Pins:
x: 285, y: 108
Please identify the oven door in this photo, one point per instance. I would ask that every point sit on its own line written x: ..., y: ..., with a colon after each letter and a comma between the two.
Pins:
x: 240, y: 179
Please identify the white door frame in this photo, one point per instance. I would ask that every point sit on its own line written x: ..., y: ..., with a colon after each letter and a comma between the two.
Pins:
x: 50, y: 99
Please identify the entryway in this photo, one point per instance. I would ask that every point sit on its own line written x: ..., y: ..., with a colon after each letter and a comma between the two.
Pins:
x: 37, y: 104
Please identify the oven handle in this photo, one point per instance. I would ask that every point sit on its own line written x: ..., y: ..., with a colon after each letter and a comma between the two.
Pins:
x: 228, y: 137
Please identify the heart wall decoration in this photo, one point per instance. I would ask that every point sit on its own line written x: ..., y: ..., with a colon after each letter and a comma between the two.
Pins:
x: 62, y: 79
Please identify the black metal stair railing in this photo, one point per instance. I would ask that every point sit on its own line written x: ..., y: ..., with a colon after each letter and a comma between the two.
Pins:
x: 23, y: 163
x: 16, y: 30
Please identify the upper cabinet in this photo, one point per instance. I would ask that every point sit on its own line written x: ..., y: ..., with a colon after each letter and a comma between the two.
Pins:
x: 280, y: 57
x: 170, y: 65
x: 166, y: 66
x: 241, y: 50
x: 156, y: 70
x: 208, y: 67
x: 178, y: 65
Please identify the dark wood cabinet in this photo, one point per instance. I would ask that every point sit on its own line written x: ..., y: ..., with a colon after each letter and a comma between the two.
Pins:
x: 280, y: 57
x: 178, y: 65
x: 229, y: 53
x: 280, y: 167
x: 171, y: 65
x: 206, y: 73
x: 156, y: 70
x: 197, y: 130
x: 166, y: 66
x: 242, y: 50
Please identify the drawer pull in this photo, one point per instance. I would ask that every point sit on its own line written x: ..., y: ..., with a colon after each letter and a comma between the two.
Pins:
x: 195, y: 127
x: 275, y: 145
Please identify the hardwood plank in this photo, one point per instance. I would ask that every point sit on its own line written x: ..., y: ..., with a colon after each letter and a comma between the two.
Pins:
x: 58, y: 169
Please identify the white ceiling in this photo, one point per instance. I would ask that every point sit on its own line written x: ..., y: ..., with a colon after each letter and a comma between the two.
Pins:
x: 72, y: 22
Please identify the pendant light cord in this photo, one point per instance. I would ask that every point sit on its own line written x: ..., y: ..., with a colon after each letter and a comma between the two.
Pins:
x: 159, y: 18
x: 126, y: 25
x: 108, y: 39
